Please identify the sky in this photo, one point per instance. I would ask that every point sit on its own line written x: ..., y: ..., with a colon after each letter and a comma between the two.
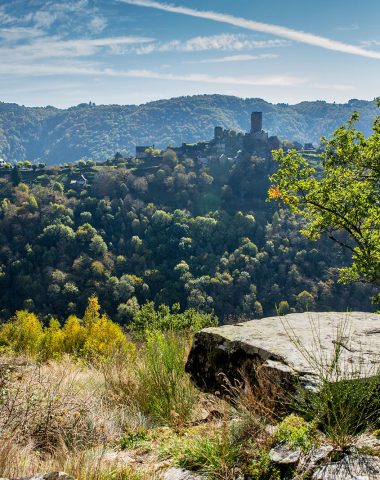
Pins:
x: 63, y: 53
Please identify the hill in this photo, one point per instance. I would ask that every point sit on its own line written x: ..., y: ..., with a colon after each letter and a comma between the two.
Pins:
x: 57, y: 136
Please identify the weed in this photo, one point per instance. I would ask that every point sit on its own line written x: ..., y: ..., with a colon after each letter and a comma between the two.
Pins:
x: 165, y: 391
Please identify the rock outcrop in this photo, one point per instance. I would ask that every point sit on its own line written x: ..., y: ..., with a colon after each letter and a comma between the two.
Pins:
x: 282, y: 345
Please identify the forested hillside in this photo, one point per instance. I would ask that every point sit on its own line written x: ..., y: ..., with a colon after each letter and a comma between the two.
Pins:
x: 87, y: 131
x: 177, y: 232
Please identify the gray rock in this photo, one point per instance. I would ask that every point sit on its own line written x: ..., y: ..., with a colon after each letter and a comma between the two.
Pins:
x: 175, y: 473
x: 358, y: 467
x: 223, y: 352
x: 284, y: 455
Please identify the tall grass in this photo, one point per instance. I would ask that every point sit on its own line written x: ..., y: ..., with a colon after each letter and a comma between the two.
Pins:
x: 165, y: 391
x: 347, y: 400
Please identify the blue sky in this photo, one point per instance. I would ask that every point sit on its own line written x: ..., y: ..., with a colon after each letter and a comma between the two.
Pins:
x: 134, y: 51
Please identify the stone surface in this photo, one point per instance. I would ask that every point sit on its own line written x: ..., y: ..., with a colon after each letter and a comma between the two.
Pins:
x: 220, y: 352
x: 175, y: 473
x: 358, y: 467
x: 284, y: 455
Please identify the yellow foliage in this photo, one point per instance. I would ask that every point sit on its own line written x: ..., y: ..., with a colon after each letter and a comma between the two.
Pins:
x: 74, y: 335
x: 105, y: 338
x: 92, y: 312
x: 23, y: 334
x: 274, y: 192
x: 96, y: 337
x: 53, y: 340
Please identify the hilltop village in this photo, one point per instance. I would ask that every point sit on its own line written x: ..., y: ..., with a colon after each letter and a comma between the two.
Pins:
x: 227, y: 143
x: 228, y: 147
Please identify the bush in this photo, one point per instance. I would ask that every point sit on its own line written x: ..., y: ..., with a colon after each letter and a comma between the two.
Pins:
x: 165, y: 391
x: 95, y: 338
x: 165, y: 319
x: 215, y: 456
x: 296, y: 432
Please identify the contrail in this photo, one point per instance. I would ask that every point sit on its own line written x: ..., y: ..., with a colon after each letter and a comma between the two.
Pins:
x: 284, y: 32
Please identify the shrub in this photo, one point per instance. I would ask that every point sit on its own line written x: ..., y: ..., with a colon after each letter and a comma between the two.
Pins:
x: 261, y: 467
x: 95, y: 338
x: 56, y: 405
x: 147, y: 317
x: 214, y: 456
x: 23, y: 334
x: 165, y: 391
x: 296, y: 432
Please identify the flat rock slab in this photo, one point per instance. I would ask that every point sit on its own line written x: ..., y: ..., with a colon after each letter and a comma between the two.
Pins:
x: 282, y: 344
x: 358, y: 467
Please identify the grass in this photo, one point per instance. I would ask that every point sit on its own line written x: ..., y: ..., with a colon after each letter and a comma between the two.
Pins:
x: 69, y: 414
x: 165, y: 391
x: 347, y: 401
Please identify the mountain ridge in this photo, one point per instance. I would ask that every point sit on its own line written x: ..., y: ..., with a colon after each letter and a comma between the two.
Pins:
x: 55, y: 135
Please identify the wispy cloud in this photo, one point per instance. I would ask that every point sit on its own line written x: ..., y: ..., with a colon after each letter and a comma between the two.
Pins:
x: 371, y: 43
x: 98, y: 24
x: 226, y: 42
x: 55, y: 47
x: 236, y: 58
x: 280, y: 31
x: 338, y: 87
x: 85, y: 70
x: 347, y: 28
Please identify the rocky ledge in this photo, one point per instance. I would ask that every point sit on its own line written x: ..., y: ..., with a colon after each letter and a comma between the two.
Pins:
x: 286, y: 347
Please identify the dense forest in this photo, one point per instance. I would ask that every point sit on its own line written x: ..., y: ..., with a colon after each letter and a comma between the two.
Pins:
x: 177, y: 232
x: 88, y: 131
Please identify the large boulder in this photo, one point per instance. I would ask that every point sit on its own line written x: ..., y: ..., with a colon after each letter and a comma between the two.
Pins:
x: 286, y: 347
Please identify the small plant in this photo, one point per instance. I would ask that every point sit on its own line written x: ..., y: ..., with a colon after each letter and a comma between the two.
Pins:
x: 261, y: 468
x: 213, y: 456
x: 132, y: 440
x: 296, y: 432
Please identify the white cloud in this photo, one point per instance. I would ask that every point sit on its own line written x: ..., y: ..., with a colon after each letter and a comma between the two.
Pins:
x: 236, y: 58
x: 347, y: 28
x: 227, y: 42
x: 371, y: 43
x: 338, y: 87
x: 88, y: 70
x: 55, y: 47
x: 283, y: 32
x: 98, y: 24
x: 15, y: 34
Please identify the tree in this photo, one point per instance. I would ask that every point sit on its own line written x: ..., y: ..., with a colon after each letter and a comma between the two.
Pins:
x: 342, y: 200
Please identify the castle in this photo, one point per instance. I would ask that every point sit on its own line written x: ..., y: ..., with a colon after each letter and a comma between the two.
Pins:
x: 228, y: 142
x: 256, y: 141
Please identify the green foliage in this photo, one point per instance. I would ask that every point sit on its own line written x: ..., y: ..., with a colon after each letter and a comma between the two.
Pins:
x: 134, y: 439
x: 214, y: 456
x: 148, y: 318
x: 261, y: 467
x: 96, y: 132
x: 296, y: 432
x: 342, y: 198
x: 165, y: 234
x: 165, y: 391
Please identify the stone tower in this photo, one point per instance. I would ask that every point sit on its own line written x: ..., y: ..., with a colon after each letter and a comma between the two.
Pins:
x: 256, y: 122
x: 218, y: 132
